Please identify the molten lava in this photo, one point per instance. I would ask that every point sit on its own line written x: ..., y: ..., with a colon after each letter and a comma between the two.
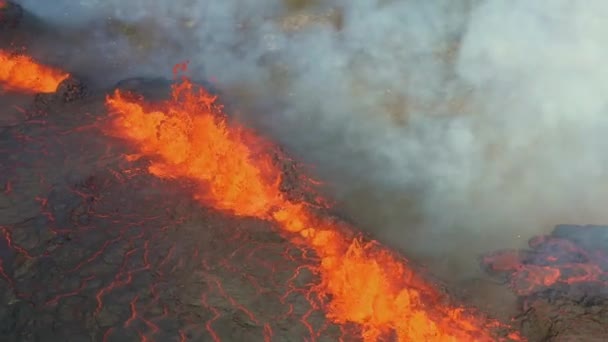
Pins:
x: 188, y: 137
x: 21, y: 73
x: 552, y: 261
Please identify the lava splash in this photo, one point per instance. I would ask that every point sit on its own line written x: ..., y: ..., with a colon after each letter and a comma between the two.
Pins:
x: 21, y: 73
x: 362, y: 283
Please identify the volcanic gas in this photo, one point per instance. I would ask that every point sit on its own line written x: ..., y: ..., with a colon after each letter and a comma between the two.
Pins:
x: 361, y: 282
x: 139, y: 208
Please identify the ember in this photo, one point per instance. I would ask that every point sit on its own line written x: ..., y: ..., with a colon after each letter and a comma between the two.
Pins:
x: 21, y: 73
x: 188, y: 137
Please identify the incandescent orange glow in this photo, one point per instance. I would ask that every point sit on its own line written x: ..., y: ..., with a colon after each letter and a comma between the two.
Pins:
x: 21, y: 73
x: 562, y: 262
x: 3, y: 4
x: 361, y: 282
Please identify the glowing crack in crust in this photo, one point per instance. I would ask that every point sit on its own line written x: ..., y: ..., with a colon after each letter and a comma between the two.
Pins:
x: 188, y: 137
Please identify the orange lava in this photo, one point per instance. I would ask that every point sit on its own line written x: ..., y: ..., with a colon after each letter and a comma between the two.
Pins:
x: 560, y: 262
x: 361, y: 282
x: 21, y: 73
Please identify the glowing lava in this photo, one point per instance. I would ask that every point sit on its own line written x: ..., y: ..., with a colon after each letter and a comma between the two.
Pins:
x: 21, y: 73
x: 551, y: 261
x: 361, y: 282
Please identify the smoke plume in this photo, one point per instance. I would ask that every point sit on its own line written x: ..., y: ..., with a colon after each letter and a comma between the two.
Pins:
x: 446, y: 128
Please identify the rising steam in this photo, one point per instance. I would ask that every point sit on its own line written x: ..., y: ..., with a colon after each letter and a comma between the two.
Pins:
x: 441, y: 126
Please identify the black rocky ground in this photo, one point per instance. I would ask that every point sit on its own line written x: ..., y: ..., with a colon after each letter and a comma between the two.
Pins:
x: 94, y: 249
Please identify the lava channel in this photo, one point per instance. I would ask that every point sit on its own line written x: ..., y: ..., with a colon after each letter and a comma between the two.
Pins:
x: 362, y: 283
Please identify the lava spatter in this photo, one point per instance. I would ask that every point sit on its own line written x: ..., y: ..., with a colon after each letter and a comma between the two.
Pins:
x: 361, y: 282
x: 21, y: 73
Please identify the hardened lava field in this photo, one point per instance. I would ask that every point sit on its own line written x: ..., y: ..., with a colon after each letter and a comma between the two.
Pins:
x: 145, y: 212
x: 93, y: 248
x: 99, y: 244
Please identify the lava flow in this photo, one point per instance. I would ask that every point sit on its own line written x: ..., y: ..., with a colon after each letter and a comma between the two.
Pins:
x: 21, y: 73
x: 188, y: 137
x: 562, y: 259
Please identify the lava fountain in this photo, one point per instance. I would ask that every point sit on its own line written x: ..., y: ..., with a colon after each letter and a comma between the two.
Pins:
x: 21, y: 73
x: 362, y: 283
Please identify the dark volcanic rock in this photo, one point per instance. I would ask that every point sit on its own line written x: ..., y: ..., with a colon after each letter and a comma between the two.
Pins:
x: 149, y: 87
x: 69, y: 90
x: 565, y: 320
x: 111, y: 253
x: 562, y: 283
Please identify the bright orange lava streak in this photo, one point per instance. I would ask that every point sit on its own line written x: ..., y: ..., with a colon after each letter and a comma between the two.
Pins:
x: 21, y: 73
x: 188, y: 137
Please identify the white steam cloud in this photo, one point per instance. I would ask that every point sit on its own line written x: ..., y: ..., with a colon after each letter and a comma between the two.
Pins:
x: 441, y: 126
